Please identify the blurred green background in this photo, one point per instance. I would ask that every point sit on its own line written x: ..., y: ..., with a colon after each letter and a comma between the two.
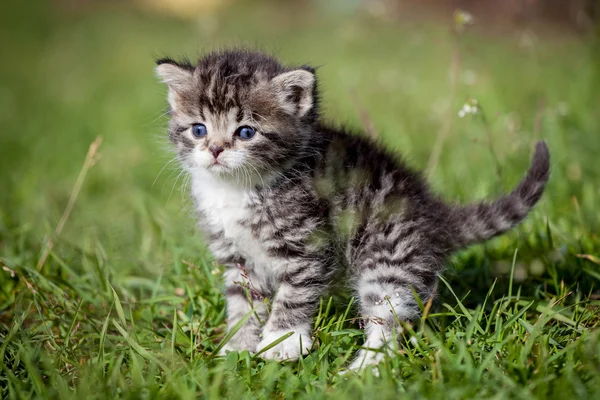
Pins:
x: 71, y: 71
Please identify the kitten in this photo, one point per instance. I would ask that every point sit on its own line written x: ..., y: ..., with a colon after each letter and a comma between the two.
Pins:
x: 290, y: 205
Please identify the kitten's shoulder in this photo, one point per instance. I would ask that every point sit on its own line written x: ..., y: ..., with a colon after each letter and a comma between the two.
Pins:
x: 358, y: 148
x: 349, y: 149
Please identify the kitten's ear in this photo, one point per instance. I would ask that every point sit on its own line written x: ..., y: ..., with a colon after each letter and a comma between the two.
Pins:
x: 177, y: 76
x: 295, y: 91
x: 173, y: 73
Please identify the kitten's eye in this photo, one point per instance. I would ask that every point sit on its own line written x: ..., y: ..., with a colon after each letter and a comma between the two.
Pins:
x: 199, y: 130
x: 245, y: 132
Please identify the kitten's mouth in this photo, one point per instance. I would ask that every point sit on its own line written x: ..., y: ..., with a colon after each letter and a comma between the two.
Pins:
x: 217, y: 166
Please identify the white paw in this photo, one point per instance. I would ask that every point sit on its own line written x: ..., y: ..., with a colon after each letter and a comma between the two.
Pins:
x: 289, y: 349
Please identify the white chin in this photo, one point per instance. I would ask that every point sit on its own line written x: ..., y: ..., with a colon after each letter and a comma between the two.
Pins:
x: 218, y: 168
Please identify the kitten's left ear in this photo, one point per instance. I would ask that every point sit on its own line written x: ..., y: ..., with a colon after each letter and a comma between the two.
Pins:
x: 295, y: 91
x: 177, y: 76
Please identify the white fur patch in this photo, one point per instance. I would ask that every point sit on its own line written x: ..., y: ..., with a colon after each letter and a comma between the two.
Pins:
x: 224, y: 207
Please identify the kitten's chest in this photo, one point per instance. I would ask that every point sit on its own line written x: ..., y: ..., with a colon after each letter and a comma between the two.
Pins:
x: 226, y: 211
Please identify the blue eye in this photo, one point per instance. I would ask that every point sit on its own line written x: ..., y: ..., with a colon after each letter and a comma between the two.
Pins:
x: 199, y: 130
x: 246, y: 132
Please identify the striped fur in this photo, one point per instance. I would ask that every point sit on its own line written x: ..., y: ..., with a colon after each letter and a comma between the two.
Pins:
x: 302, y: 204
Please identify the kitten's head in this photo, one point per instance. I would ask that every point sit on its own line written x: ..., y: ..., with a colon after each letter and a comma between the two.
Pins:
x: 238, y: 113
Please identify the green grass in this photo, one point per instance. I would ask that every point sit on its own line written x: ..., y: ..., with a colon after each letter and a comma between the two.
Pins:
x: 128, y: 303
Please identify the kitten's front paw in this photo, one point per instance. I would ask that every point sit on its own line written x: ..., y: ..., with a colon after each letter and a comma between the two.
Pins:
x: 290, y: 349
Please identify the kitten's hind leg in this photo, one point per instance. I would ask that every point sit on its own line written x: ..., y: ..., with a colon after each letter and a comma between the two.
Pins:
x: 243, y: 298
x: 386, y: 297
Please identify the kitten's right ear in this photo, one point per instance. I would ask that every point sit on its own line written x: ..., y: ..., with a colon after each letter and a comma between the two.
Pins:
x: 172, y: 73
x: 295, y: 91
x: 176, y: 75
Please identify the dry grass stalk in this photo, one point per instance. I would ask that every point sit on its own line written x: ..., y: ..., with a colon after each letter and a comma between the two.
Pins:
x: 90, y: 159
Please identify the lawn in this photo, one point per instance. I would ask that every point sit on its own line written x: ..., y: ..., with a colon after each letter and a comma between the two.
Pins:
x: 125, y: 301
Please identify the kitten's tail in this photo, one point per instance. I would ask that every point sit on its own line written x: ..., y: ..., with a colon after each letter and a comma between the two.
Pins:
x: 481, y: 221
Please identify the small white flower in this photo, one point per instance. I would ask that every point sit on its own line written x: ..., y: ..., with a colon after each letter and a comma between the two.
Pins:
x: 470, y: 107
x: 462, y: 18
x: 414, y: 340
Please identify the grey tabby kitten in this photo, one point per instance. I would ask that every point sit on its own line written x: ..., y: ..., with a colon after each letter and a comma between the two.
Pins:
x: 289, y: 204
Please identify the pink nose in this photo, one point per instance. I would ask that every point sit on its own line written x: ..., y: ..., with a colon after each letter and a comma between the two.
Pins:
x: 215, y: 150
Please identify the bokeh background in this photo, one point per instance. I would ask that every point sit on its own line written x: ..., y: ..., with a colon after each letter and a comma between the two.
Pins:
x: 75, y: 70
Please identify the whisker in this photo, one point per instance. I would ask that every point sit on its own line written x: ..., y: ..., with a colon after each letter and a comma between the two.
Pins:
x: 162, y: 169
x: 165, y: 111
x: 174, y: 184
